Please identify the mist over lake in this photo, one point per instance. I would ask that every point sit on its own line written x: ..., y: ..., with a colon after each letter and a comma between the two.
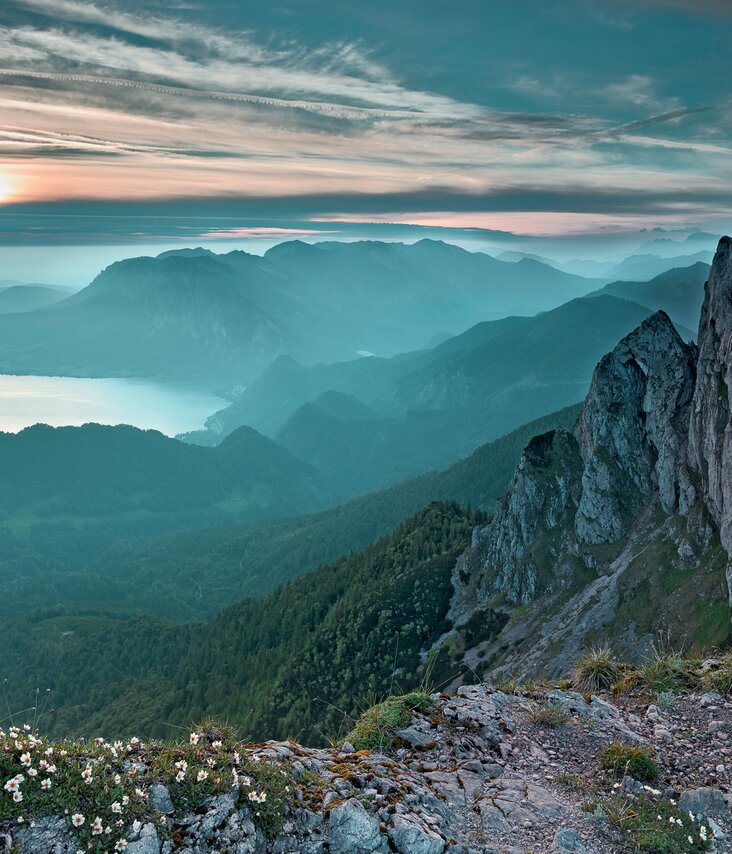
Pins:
x: 68, y: 401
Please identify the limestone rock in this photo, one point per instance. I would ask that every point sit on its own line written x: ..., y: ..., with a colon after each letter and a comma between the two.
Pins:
x: 543, y: 496
x: 410, y: 836
x: 702, y: 802
x: 632, y: 429
x: 146, y: 843
x: 710, y: 434
x: 354, y: 831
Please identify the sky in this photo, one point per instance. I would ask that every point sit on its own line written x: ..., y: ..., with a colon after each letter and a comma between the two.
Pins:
x: 225, y: 122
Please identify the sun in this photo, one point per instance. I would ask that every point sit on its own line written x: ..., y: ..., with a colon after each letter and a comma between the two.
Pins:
x: 6, y: 190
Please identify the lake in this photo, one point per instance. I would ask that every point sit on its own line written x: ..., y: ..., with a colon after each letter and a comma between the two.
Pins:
x: 61, y: 401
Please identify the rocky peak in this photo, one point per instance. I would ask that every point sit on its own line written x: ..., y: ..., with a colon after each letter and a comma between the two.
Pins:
x: 654, y: 434
x: 632, y: 429
x: 710, y: 440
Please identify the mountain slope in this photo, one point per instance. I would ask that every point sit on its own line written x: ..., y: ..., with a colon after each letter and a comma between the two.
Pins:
x: 335, y: 629
x: 108, y: 564
x: 679, y: 292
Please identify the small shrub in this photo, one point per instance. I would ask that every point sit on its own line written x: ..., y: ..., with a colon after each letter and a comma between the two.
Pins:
x: 377, y: 725
x: 548, y: 715
x: 596, y: 670
x: 636, y: 762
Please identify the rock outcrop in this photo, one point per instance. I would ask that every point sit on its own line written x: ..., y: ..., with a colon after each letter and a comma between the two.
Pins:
x: 481, y: 772
x: 632, y: 430
x: 653, y: 443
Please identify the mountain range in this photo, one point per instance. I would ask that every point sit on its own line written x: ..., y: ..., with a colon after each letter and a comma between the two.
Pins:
x: 219, y: 320
x: 614, y: 529
x: 425, y: 409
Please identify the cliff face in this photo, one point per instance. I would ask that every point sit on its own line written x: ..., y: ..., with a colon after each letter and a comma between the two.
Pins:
x: 652, y: 444
x: 632, y: 431
x: 710, y: 434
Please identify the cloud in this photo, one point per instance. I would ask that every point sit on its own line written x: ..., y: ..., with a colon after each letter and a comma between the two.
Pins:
x: 102, y: 102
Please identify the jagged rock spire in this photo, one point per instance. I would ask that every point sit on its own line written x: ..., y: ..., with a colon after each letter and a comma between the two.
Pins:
x: 710, y: 434
x: 633, y: 427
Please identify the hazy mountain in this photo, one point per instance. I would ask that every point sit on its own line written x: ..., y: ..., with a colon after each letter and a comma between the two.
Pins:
x: 679, y: 292
x: 513, y: 256
x: 176, y: 317
x: 18, y: 298
x: 424, y: 410
x: 272, y: 398
x: 587, y: 267
x: 219, y: 320
x: 669, y: 248
x: 644, y: 267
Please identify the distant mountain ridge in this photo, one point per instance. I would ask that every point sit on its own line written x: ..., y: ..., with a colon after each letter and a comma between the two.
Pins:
x: 679, y: 292
x: 219, y: 320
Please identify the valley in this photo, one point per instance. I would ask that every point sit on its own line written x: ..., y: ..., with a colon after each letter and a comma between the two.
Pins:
x: 365, y: 427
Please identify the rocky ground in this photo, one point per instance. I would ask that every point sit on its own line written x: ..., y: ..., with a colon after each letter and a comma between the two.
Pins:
x: 479, y: 771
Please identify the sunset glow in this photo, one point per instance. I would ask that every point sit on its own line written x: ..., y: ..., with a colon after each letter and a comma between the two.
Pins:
x: 544, y: 130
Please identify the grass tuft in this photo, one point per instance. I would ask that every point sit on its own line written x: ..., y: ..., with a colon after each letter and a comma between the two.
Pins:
x: 548, y: 715
x: 720, y: 677
x: 627, y: 759
x: 376, y: 727
x: 596, y: 670
x: 666, y: 671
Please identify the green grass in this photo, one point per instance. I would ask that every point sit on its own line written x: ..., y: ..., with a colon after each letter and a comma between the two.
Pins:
x: 635, y: 762
x: 666, y: 671
x: 376, y: 727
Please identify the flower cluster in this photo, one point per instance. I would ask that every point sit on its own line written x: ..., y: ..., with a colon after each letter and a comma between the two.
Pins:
x: 102, y: 788
x: 76, y: 780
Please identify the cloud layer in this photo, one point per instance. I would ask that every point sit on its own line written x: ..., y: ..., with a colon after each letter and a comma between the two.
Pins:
x: 108, y: 101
